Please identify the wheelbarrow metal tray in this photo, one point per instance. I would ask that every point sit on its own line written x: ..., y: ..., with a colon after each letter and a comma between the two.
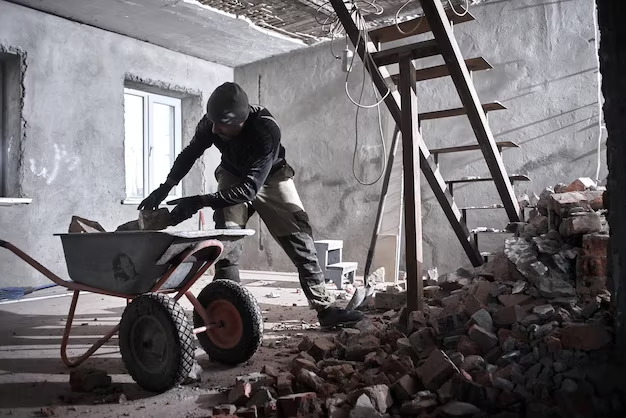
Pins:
x: 131, y: 262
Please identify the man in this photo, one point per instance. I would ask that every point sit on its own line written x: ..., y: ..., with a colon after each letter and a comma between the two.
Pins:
x: 253, y: 176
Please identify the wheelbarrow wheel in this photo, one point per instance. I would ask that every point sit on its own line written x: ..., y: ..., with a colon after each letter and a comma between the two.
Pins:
x: 156, y: 342
x: 236, y: 322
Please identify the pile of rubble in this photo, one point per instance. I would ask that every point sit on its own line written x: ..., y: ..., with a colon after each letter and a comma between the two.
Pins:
x: 527, y: 334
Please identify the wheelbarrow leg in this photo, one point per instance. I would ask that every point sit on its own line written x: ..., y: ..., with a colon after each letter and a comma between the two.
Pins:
x: 66, y: 335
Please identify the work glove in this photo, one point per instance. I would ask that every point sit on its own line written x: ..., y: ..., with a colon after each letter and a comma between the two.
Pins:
x: 155, y: 198
x: 186, y: 207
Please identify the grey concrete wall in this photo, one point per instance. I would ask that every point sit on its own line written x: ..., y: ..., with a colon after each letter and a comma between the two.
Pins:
x: 545, y: 72
x: 304, y: 90
x: 73, y: 148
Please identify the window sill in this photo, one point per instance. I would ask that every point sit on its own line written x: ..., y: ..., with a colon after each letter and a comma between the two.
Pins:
x: 12, y: 201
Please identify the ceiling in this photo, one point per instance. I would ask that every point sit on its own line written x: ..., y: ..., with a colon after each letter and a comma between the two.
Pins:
x: 228, y: 32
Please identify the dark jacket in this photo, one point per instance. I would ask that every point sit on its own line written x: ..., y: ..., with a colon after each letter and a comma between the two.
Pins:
x: 252, y: 155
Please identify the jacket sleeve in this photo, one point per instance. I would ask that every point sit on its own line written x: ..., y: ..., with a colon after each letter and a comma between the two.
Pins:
x: 188, y: 156
x: 268, y: 134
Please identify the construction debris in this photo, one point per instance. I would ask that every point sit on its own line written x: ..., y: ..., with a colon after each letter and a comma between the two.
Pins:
x: 527, y: 334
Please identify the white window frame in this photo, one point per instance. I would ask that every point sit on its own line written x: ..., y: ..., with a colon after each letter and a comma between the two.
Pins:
x: 149, y: 99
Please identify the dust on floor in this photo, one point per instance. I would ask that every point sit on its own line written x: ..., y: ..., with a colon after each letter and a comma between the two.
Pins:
x: 35, y: 382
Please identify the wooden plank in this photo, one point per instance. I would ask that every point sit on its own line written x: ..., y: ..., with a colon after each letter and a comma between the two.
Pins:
x: 430, y: 73
x: 473, y: 147
x: 412, y: 196
x: 413, y: 51
x: 427, y: 164
x: 391, y: 32
x: 459, y: 111
x: 436, y: 15
x: 516, y: 177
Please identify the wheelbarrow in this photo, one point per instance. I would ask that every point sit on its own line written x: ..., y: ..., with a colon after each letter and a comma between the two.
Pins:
x: 152, y: 270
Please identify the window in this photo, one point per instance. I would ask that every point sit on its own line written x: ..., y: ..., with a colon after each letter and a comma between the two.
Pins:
x: 153, y: 131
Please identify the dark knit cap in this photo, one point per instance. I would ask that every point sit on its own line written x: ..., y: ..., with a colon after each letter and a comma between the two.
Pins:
x: 228, y: 105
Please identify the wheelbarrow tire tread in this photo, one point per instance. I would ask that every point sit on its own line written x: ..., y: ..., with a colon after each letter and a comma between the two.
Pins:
x: 251, y: 318
x: 180, y: 341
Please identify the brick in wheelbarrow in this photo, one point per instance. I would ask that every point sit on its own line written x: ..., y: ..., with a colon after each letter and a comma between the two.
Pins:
x: 88, y: 380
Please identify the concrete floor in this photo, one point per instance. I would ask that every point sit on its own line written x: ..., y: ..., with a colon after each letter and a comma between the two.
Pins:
x: 32, y: 375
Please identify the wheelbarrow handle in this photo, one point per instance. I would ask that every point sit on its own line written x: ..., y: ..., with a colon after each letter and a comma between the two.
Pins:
x: 36, y: 265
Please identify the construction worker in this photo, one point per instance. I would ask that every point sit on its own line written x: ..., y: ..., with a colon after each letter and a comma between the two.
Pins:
x: 253, y: 176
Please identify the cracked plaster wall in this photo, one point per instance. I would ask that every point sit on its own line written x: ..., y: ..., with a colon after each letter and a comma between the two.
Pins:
x: 545, y: 73
x: 72, y: 144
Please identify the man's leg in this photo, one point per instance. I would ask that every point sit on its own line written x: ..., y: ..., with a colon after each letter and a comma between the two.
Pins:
x: 281, y: 209
x: 232, y: 217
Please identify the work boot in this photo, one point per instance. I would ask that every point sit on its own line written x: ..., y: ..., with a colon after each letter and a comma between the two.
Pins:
x: 336, y: 317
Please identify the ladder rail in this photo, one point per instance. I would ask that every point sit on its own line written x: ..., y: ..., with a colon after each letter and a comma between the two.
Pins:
x: 364, y: 47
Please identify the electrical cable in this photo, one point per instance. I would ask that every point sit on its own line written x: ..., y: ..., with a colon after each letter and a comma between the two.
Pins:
x: 398, y: 17
x: 362, y: 36
x: 457, y: 13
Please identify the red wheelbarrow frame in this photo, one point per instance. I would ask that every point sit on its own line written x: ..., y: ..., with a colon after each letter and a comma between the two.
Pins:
x: 210, y: 250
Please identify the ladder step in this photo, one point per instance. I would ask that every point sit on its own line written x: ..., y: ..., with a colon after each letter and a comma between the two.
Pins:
x: 391, y: 32
x: 415, y: 51
x: 448, y: 113
x: 473, y: 147
x: 516, y: 177
x: 494, y: 206
x: 473, y: 64
x: 346, y: 265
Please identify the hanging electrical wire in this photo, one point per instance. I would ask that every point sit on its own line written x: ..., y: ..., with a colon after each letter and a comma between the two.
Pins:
x: 457, y: 13
x: 419, y: 21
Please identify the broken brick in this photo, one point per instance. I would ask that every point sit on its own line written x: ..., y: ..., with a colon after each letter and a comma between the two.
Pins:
x: 585, y: 337
x: 240, y: 394
x: 485, y: 339
x: 358, y: 346
x: 508, y: 316
x: 309, y: 379
x: 423, y: 341
x: 284, y: 384
x: 222, y: 410
x: 467, y: 347
x: 511, y: 300
x: 299, y: 363
x: 404, y: 388
x: 437, y: 369
x: 587, y: 223
x: 299, y: 405
x: 88, y: 380
x: 387, y: 300
x: 450, y: 325
x: 321, y: 348
x: 471, y: 305
x: 416, y: 321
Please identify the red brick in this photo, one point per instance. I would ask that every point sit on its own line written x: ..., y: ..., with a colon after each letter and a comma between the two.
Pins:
x: 554, y: 344
x: 508, y: 316
x: 436, y: 370
x: 595, y: 245
x: 299, y: 405
x: 472, y: 305
x: 585, y: 337
x: 510, y: 300
x: 593, y: 266
x: 321, y: 348
x: 580, y: 184
x: 467, y: 347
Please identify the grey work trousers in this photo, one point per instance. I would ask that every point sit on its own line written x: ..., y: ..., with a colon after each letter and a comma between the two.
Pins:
x: 281, y: 209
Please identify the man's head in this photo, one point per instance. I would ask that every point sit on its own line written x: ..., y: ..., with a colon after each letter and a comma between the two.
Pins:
x: 228, y: 108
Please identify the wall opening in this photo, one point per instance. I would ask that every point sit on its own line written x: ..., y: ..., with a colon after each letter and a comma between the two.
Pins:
x: 10, y: 123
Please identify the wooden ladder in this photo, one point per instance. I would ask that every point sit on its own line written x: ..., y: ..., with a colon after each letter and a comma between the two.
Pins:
x: 402, y: 104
